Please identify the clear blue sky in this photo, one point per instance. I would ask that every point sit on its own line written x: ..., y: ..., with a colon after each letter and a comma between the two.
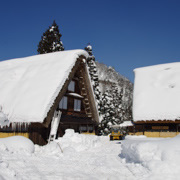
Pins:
x: 125, y: 34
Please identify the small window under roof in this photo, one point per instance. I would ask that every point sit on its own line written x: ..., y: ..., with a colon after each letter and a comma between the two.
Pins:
x: 71, y: 86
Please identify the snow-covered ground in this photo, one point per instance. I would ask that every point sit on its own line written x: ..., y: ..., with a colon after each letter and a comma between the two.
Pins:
x: 90, y: 157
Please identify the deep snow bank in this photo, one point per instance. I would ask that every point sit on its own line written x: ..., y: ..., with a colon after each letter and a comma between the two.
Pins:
x: 16, y: 144
x: 70, y: 143
x: 155, y: 154
x: 78, y: 142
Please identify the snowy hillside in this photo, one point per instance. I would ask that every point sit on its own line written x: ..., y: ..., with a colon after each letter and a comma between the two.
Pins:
x: 108, y: 76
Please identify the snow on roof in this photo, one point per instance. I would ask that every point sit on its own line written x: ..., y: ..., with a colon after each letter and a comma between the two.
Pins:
x: 75, y: 95
x: 126, y: 123
x: 157, y: 93
x: 30, y: 85
x: 89, y: 47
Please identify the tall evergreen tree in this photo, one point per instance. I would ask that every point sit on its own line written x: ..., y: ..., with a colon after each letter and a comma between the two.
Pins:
x: 50, y: 41
x: 112, y: 111
x: 93, y: 74
x: 121, y: 110
x: 106, y: 113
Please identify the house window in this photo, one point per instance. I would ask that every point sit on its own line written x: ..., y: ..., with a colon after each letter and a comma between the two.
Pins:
x: 83, y: 128
x: 77, y: 105
x: 90, y: 128
x: 63, y: 103
x: 71, y: 86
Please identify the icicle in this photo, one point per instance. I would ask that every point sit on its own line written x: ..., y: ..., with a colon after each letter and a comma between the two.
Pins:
x: 13, y: 126
x: 19, y: 126
x: 25, y: 126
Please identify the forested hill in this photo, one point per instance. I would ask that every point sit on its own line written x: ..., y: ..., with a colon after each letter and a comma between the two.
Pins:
x: 108, y: 76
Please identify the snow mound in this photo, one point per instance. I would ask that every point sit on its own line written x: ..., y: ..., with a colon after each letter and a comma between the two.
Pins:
x: 129, y: 137
x: 76, y: 142
x: 17, y: 144
x: 140, y: 152
x: 126, y: 124
x: 52, y: 148
x: 156, y: 155
x: 70, y: 143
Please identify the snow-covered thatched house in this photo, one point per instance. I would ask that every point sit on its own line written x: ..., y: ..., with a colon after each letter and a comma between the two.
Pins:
x: 33, y: 90
x: 156, y: 100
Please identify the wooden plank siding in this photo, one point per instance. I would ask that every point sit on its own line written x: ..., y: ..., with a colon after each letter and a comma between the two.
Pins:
x: 34, y: 131
x: 75, y: 119
x: 166, y: 128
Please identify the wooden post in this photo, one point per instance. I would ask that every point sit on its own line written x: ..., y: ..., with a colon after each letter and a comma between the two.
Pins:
x: 143, y: 129
x: 177, y: 127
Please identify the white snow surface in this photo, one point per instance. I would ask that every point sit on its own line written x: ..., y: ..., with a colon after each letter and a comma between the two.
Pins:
x: 159, y: 156
x: 30, y: 85
x: 126, y: 123
x: 17, y: 144
x: 156, y: 93
x: 90, y: 157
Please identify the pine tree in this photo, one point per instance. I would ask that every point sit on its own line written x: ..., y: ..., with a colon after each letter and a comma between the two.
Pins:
x: 107, y: 113
x: 121, y: 110
x: 112, y: 111
x: 50, y: 41
x: 128, y: 113
x: 93, y: 74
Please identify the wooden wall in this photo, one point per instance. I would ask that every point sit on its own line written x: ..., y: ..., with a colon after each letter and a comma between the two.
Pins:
x: 35, y: 131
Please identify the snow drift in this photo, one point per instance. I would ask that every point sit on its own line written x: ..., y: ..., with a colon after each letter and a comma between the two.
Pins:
x: 17, y: 144
x: 70, y: 143
x: 157, y: 155
x: 78, y: 142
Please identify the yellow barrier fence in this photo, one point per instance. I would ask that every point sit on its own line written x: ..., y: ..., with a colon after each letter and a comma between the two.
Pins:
x: 156, y: 134
x: 4, y: 134
x: 152, y: 134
